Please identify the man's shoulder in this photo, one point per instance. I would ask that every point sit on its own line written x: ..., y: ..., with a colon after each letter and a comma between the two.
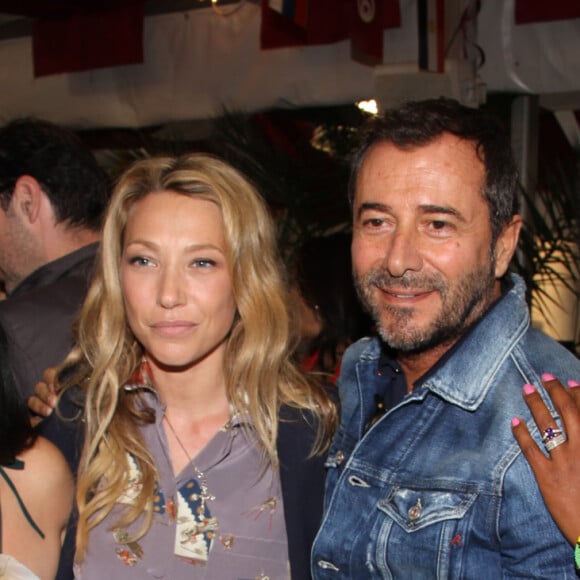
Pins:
x: 60, y: 297
x: 545, y: 352
x: 56, y: 288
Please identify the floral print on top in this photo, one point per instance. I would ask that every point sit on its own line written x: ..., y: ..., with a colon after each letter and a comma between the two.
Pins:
x: 230, y: 526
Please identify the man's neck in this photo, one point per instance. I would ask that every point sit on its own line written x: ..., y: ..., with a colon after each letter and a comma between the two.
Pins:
x: 68, y: 242
x: 415, y: 365
x: 53, y: 250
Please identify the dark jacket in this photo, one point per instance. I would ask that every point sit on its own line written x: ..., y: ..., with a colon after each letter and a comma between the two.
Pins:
x: 302, y: 480
x: 39, y: 314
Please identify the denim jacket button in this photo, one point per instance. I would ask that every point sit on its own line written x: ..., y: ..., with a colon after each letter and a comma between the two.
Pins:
x: 339, y: 457
x: 415, y: 512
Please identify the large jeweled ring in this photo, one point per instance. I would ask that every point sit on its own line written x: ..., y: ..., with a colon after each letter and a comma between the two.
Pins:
x: 552, y: 438
x: 550, y: 433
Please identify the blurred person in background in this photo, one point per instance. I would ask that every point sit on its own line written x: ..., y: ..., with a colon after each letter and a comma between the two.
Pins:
x: 52, y: 197
x: 329, y: 313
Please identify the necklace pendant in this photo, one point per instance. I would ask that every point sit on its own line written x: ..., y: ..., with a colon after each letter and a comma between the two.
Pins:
x: 205, y: 495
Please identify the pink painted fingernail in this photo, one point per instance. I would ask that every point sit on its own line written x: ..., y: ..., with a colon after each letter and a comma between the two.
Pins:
x: 529, y: 389
x: 573, y: 384
x: 547, y: 377
x: 515, y: 422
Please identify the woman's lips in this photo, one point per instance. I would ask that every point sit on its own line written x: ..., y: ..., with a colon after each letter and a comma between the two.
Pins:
x: 172, y: 328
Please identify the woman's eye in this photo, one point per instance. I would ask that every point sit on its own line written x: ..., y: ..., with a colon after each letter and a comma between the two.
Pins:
x: 203, y: 263
x: 139, y: 261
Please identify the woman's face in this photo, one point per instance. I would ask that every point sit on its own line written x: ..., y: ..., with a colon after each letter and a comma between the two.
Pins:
x: 176, y: 280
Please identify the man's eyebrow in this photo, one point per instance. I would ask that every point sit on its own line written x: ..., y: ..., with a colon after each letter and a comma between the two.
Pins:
x: 425, y: 208
x: 444, y: 209
x: 372, y: 206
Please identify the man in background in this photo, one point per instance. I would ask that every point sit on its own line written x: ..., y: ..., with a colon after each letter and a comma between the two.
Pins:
x: 52, y: 198
x: 425, y: 479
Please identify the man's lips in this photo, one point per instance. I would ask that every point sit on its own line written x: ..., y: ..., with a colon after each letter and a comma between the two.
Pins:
x: 405, y: 294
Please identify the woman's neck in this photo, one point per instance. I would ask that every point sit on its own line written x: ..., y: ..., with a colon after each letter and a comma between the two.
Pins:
x: 196, y: 408
x: 196, y: 404
x: 196, y: 391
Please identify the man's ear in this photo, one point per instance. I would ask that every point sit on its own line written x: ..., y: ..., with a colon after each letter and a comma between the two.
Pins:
x: 506, y: 245
x: 27, y: 198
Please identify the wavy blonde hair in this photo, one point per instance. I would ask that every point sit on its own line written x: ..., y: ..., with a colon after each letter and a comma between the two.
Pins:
x: 258, y: 348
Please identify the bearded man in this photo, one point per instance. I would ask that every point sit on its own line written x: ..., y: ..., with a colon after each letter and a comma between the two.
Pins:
x: 425, y: 478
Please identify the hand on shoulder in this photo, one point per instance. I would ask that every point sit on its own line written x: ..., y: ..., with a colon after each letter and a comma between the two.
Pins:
x: 558, y: 473
x: 44, y: 400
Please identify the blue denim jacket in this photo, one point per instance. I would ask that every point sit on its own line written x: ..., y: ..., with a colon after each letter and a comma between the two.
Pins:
x: 438, y: 487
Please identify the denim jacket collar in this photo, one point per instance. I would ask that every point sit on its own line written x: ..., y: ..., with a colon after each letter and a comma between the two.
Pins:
x: 463, y: 377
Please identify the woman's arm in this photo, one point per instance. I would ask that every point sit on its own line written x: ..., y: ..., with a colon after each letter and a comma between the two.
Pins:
x: 558, y: 474
x: 46, y: 488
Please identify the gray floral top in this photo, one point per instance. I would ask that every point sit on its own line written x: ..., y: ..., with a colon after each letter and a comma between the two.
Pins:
x: 227, y: 524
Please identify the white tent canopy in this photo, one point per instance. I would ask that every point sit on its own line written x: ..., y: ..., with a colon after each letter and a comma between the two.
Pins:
x: 198, y: 61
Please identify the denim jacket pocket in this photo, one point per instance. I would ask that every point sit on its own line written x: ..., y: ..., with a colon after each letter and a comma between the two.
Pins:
x: 420, y: 533
x: 414, y: 509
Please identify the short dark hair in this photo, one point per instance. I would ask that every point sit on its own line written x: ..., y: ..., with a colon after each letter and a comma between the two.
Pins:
x: 418, y: 123
x: 64, y: 167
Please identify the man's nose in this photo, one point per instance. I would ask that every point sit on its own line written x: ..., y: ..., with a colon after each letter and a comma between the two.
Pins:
x: 402, y: 253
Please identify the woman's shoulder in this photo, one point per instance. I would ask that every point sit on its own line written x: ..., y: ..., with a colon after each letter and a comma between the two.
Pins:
x: 45, y: 456
x: 46, y: 475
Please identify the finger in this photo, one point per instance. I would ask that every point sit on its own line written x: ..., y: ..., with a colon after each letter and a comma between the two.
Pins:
x: 50, y: 378
x: 528, y: 446
x: 46, y: 393
x: 552, y: 436
x: 38, y: 407
x: 35, y: 420
x: 540, y: 412
x: 565, y: 405
x: 574, y: 391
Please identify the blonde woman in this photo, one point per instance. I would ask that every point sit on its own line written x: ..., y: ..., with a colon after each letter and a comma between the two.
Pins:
x: 203, y: 443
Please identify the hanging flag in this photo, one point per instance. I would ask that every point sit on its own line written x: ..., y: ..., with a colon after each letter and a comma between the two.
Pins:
x: 431, y: 24
x: 89, y: 40
x: 368, y: 20
x: 295, y: 10
x: 528, y: 11
x: 288, y: 23
x: 307, y: 22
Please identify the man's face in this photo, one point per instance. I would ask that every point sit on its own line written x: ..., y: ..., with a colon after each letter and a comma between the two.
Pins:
x: 422, y: 243
x: 18, y: 248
